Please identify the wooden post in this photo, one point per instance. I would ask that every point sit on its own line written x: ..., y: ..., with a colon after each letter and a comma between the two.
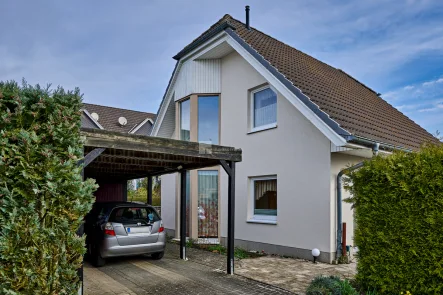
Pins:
x: 231, y: 217
x: 150, y: 190
x: 183, y: 214
x: 343, y: 240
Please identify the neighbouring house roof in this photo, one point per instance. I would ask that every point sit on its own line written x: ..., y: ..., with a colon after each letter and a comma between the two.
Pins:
x: 137, y: 122
x: 355, y: 107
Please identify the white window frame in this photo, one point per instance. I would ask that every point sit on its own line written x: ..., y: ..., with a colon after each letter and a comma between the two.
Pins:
x: 252, y: 128
x: 256, y: 218
x: 188, y: 98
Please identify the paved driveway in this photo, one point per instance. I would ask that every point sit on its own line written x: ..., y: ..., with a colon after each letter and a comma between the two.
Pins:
x: 142, y: 275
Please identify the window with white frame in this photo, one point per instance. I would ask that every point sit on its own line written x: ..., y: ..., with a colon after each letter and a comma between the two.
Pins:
x: 264, y: 198
x: 263, y: 109
x: 185, y: 120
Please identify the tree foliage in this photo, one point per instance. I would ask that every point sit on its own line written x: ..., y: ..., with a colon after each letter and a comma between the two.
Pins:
x: 140, y: 193
x: 42, y: 195
x: 398, y: 203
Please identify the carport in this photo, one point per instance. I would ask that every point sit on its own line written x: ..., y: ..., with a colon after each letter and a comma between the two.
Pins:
x: 119, y: 157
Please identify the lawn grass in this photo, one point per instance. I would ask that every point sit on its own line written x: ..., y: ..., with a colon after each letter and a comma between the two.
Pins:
x: 239, y: 253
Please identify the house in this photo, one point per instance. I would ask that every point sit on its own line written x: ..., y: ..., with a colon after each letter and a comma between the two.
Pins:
x: 115, y: 119
x: 298, y: 122
x: 120, y: 120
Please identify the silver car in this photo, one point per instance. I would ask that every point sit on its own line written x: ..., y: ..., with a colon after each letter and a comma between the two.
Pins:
x: 123, y: 229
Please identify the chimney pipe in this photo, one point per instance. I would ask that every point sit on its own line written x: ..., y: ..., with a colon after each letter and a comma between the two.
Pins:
x: 247, y: 17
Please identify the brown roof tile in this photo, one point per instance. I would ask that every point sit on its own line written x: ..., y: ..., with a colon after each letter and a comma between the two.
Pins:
x: 108, y: 117
x: 354, y: 106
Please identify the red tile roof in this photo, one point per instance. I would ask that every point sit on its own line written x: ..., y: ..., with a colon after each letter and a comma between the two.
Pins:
x: 354, y: 106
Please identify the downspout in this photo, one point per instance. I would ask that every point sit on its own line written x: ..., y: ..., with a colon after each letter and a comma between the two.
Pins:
x: 375, y: 149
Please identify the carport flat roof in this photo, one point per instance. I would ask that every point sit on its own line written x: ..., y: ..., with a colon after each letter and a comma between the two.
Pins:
x: 128, y: 156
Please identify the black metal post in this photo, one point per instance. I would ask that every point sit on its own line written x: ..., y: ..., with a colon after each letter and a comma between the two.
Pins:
x: 80, y: 270
x: 150, y: 190
x: 183, y: 214
x: 231, y: 217
x: 80, y: 232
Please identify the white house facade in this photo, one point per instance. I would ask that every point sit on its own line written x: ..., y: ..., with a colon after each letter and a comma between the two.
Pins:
x: 228, y: 90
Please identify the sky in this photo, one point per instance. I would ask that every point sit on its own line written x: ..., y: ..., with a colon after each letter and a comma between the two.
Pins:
x: 119, y: 53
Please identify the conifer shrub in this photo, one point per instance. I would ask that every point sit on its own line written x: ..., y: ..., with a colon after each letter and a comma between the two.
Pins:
x: 398, y: 206
x: 43, y: 198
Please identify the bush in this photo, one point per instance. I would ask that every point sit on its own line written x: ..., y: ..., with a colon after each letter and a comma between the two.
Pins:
x: 398, y: 203
x: 345, y: 288
x: 331, y: 285
x: 323, y: 286
x: 42, y: 195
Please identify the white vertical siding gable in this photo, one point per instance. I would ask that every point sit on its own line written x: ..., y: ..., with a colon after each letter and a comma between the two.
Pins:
x: 198, y: 76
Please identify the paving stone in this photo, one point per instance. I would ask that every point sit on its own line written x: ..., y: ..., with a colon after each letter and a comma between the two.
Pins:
x: 291, y: 274
x: 204, y: 273
x: 170, y: 275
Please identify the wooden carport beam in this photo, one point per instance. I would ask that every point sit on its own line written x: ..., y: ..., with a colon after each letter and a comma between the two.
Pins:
x: 166, y: 146
x: 149, y: 189
x: 91, y: 156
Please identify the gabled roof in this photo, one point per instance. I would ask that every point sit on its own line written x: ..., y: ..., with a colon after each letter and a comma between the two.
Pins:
x: 108, y: 118
x: 355, y: 107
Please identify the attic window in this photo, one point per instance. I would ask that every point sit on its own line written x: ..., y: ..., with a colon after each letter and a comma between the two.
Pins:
x: 263, y: 109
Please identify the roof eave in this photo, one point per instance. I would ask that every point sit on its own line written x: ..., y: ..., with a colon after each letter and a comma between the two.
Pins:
x: 92, y: 119
x: 369, y: 142
x: 162, y: 104
x: 137, y: 127
x: 201, y: 40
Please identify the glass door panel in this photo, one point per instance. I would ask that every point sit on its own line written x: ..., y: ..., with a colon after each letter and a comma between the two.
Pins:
x: 207, y: 204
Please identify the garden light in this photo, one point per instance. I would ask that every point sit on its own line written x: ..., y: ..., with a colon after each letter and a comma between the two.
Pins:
x: 315, y: 254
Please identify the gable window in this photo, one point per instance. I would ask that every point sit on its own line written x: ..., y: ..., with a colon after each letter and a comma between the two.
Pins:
x: 185, y: 120
x: 208, y: 116
x: 263, y: 109
x: 264, y: 199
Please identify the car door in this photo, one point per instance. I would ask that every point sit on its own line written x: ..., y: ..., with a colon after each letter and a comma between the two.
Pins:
x: 134, y: 225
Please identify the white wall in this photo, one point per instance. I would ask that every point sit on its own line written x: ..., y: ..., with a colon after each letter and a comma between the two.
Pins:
x: 295, y: 151
x: 340, y: 161
x: 168, y: 191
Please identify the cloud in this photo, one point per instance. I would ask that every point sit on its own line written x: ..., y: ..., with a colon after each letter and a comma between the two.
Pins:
x: 432, y: 109
x: 431, y: 89
x: 433, y: 82
x: 367, y: 45
x: 422, y: 102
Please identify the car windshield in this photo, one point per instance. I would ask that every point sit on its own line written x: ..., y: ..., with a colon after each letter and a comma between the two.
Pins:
x: 130, y: 215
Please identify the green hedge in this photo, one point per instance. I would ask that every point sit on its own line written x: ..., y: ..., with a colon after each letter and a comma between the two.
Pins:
x: 398, y: 204
x: 42, y: 196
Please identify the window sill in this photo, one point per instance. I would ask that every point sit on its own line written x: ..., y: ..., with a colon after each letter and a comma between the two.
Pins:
x: 263, y: 128
x: 264, y: 221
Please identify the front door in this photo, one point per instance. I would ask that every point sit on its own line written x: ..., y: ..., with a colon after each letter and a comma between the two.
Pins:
x: 207, y: 204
